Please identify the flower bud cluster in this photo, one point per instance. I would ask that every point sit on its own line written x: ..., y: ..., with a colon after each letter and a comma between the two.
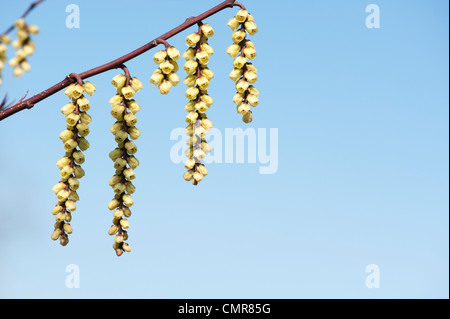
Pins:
x: 75, y: 143
x: 197, y: 80
x: 244, y: 73
x: 24, y: 46
x: 4, y: 41
x: 124, y: 109
x: 166, y: 76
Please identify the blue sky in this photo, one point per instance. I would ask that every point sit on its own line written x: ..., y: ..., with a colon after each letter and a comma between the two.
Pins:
x: 362, y: 119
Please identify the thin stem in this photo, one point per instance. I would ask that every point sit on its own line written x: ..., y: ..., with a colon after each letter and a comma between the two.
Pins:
x: 29, y: 103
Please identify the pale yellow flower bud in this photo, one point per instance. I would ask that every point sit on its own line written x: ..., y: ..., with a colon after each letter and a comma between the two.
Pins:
x: 131, y: 147
x: 28, y: 50
x: 201, y: 107
x: 191, y: 141
x: 20, y: 23
x: 173, y: 53
x: 70, y: 205
x: 190, y: 67
x: 173, y: 78
x: 134, y: 133
x: 130, y: 190
x: 252, y: 100
x: 189, y: 54
x: 55, y: 235
x: 188, y: 175
x: 126, y: 247
x: 83, y: 129
x: 205, y: 47
x: 128, y: 92
x: 113, y: 204
x: 89, y: 88
x: 207, y: 30
x: 189, y: 164
x: 190, y: 80
x: 242, y: 86
x: 116, y: 128
x: 243, y: 108
x: 192, y: 39
x: 74, y: 184
x: 251, y: 28
x: 253, y: 90
x: 239, y: 62
x: 133, y: 106
x: 115, y: 100
x: 200, y: 131
x: 57, y: 209
x: 207, y: 99
x: 70, y: 145
x: 79, y: 172
x: 119, y: 188
x: 25, y: 65
x: 129, y: 174
x: 156, y: 78
x: 113, y: 230
x: 66, y: 135
x: 83, y: 144
x: 251, y: 77
x: 117, y: 111
x: 236, y: 74
x: 72, y: 119
x: 127, y: 200
x: 238, y: 97
x: 66, y: 172
x: 85, y: 118
x: 130, y: 119
x: 191, y: 117
x: 242, y: 15
x: 247, y: 117
x: 160, y: 56
x: 238, y: 36
x: 189, y: 130
x: 58, y: 187
x: 119, y: 81
x: 77, y: 91
x: 115, y: 154
x: 202, y: 57
x: 68, y: 228
x: 166, y: 67
x: 124, y: 223
x: 233, y: 50
x: 83, y: 104
x: 16, y: 44
x: 233, y: 24
x: 74, y: 196
x: 202, y: 170
x: 251, y: 67
x: 198, y: 176
x: 164, y: 87
x: 18, y: 71
x: 68, y: 109
x: 13, y: 62
x: 202, y: 83
x: 192, y: 93
x: 133, y: 162
x: 120, y: 163
x: 207, y: 73
x: 78, y: 157
x: 207, y: 124
x: 250, y: 53
x: 250, y: 18
x: 114, y: 180
x: 206, y: 148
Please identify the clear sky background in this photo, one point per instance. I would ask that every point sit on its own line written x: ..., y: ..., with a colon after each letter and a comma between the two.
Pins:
x: 362, y: 118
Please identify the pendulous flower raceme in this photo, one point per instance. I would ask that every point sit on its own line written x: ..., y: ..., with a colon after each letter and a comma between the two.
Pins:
x: 73, y: 137
x: 244, y: 73
x: 4, y: 41
x: 124, y: 109
x: 166, y: 76
x: 23, y: 45
x: 197, y: 80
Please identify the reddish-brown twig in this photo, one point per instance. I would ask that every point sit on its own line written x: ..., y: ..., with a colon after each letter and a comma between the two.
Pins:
x: 116, y: 63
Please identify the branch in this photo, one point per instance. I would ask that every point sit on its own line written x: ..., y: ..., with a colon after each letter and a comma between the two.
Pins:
x: 30, y: 8
x: 118, y: 63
